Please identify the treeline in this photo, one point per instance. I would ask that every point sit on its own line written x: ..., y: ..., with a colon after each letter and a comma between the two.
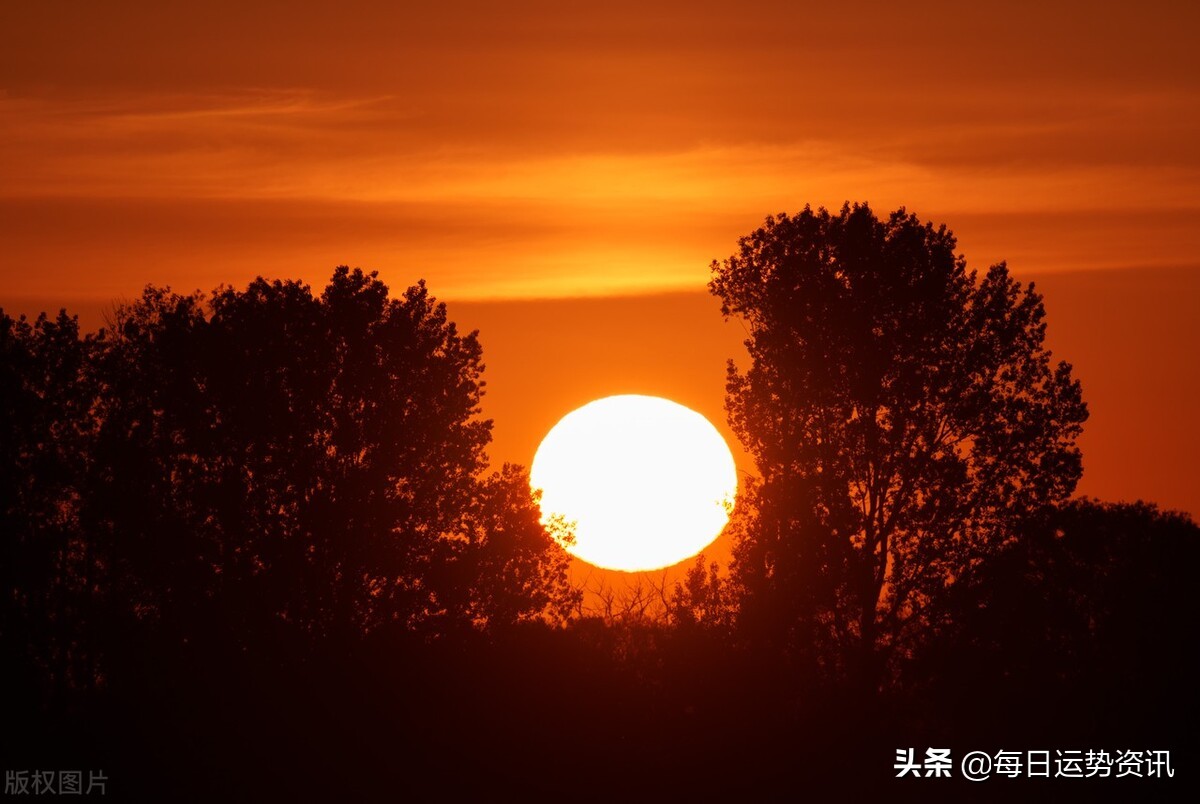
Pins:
x: 252, y: 548
x: 264, y: 466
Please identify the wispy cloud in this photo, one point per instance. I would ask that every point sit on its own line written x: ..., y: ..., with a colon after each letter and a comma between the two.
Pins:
x: 565, y: 151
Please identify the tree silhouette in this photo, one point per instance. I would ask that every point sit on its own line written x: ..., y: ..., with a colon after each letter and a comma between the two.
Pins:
x: 265, y: 465
x: 47, y: 570
x: 905, y: 419
x: 702, y: 599
x: 259, y: 524
x: 1091, y: 604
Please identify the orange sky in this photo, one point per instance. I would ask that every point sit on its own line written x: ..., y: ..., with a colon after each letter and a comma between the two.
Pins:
x: 512, y: 152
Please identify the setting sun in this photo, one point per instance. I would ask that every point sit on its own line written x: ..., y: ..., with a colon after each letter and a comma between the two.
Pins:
x: 646, y: 481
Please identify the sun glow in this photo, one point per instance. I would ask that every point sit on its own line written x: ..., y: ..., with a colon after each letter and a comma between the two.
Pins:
x: 647, y: 482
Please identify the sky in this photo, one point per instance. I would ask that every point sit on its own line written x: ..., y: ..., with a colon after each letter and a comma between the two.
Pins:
x: 563, y: 174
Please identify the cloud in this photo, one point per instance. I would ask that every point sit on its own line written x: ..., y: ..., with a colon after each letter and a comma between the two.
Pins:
x: 556, y: 149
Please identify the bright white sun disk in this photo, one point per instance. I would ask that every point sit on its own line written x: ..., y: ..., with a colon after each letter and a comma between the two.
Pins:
x: 646, y: 481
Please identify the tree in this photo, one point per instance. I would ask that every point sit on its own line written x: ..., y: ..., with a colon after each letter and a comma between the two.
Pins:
x: 905, y: 419
x: 47, y: 571
x: 702, y: 599
x: 274, y: 461
x: 502, y: 571
x: 1096, y: 600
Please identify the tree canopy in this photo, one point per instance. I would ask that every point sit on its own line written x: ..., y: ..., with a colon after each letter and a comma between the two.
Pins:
x: 260, y: 524
x: 905, y: 418
x: 263, y: 463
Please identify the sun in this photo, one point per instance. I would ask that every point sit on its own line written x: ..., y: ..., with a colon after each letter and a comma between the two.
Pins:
x: 646, y: 481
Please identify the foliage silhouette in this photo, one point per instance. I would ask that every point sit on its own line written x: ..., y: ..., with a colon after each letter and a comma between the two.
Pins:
x: 703, y: 599
x: 250, y: 550
x: 905, y: 419
x: 1064, y: 623
x: 269, y: 468
x: 47, y: 570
